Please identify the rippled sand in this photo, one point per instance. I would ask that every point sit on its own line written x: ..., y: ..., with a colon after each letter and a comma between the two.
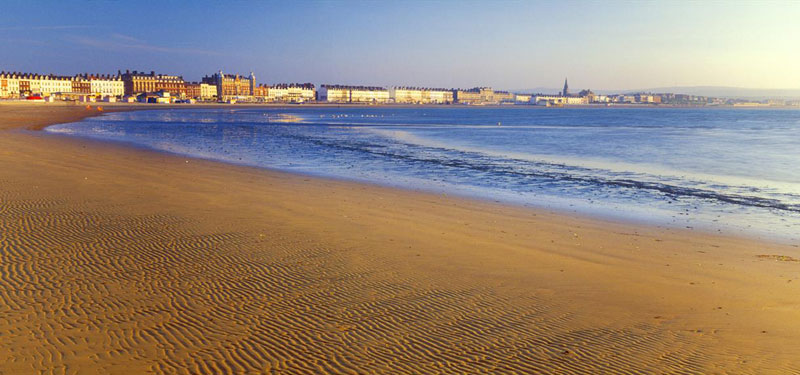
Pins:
x: 116, y: 260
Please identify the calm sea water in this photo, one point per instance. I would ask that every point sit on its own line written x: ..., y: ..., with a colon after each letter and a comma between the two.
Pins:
x: 728, y: 170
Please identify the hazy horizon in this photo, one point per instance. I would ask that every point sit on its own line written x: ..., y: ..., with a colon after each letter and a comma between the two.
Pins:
x: 507, y: 45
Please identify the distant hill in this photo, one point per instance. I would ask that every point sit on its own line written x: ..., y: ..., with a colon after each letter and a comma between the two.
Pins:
x: 538, y: 90
x: 728, y: 92
x: 715, y: 91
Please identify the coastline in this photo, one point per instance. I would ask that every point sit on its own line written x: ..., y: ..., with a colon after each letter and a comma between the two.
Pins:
x: 118, y: 106
x: 373, y: 268
x: 625, y: 215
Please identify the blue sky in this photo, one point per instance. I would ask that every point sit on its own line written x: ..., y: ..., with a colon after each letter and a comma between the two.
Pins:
x: 505, y: 44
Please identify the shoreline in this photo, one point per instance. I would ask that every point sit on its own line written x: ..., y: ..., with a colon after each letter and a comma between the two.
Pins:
x: 558, y: 211
x: 148, y: 106
x: 610, y: 219
x: 383, y: 272
x: 562, y: 209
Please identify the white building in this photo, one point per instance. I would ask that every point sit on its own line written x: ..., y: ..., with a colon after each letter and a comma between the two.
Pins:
x: 364, y: 94
x: 440, y: 96
x: 26, y: 83
x: 416, y: 95
x: 54, y: 84
x: 405, y: 95
x: 548, y: 100
x: 291, y: 92
x: 49, y: 85
x: 522, y: 98
x: 352, y: 94
x: 208, y: 91
x: 333, y: 94
x: 9, y: 85
x: 107, y: 85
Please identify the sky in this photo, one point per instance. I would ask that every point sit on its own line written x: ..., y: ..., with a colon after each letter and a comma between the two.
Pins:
x: 504, y: 44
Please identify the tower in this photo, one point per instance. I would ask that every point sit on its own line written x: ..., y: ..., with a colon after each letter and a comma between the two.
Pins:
x: 566, y: 88
x: 252, y: 83
x: 220, y: 92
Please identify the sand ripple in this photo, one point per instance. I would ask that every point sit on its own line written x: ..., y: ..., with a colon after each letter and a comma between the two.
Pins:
x: 86, y: 290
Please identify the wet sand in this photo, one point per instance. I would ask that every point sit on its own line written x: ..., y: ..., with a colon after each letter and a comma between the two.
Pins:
x: 115, y: 260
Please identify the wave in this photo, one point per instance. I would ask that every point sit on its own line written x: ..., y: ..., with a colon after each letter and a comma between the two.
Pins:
x: 520, y: 170
x: 606, y: 166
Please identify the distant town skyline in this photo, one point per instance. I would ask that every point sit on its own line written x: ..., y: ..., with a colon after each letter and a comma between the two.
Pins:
x: 508, y: 45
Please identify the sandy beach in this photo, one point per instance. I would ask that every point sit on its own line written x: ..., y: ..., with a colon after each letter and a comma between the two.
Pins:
x: 117, y: 260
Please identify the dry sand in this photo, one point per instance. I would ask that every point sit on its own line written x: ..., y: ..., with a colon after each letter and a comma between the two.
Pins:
x: 115, y: 260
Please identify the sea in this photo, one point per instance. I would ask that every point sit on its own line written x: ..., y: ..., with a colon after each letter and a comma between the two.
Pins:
x: 727, y: 170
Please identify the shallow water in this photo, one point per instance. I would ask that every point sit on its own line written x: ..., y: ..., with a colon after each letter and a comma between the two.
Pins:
x: 727, y: 170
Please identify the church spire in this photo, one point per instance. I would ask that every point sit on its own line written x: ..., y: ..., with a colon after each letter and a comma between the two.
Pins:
x: 566, y: 88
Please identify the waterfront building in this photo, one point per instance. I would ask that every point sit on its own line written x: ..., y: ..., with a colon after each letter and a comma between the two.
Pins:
x: 50, y: 84
x: 601, y: 99
x: 232, y: 86
x: 576, y: 101
x: 548, y: 100
x: 33, y: 84
x: 415, y: 95
x: 352, y: 94
x: 522, y: 98
x: 644, y: 98
x: 104, y: 85
x: 16, y: 84
x: 9, y: 85
x: 591, y: 97
x: 558, y: 100
x: 261, y: 92
x: 25, y: 85
x: 482, y: 95
x: 368, y: 94
x: 160, y: 97
x: 207, y: 91
x: 471, y: 96
x: 626, y: 99
x: 193, y: 90
x: 487, y: 95
x: 139, y: 82
x: 200, y: 91
x: 286, y: 92
x: 81, y: 85
x: 502, y: 97
x: 565, y: 92
x: 405, y: 95
x: 333, y: 94
x: 439, y: 96
x: 292, y: 92
x: 684, y: 99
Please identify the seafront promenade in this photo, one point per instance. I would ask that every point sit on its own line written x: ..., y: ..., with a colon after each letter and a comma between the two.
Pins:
x: 220, y: 87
